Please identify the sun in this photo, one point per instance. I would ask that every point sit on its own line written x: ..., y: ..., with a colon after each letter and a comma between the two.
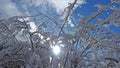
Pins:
x: 56, y: 50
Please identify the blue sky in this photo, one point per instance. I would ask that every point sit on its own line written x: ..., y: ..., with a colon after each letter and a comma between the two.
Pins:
x: 52, y: 8
x: 89, y: 8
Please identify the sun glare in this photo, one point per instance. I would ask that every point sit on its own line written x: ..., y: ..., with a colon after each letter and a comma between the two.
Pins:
x: 56, y: 50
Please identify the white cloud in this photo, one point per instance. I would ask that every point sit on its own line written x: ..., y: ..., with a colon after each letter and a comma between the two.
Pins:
x: 39, y: 2
x: 33, y: 26
x: 58, y: 5
x: 70, y: 23
x: 8, y: 9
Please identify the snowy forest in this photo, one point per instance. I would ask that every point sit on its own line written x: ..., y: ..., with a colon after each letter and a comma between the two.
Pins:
x: 59, y: 44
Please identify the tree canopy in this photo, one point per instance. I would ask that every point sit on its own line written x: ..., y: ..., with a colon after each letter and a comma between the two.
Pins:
x: 54, y: 44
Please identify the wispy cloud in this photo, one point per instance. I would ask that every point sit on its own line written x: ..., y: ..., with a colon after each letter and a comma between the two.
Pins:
x: 58, y: 5
x: 8, y: 9
x: 45, y: 5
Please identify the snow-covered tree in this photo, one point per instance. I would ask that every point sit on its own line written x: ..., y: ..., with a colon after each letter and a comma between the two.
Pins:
x: 52, y: 44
